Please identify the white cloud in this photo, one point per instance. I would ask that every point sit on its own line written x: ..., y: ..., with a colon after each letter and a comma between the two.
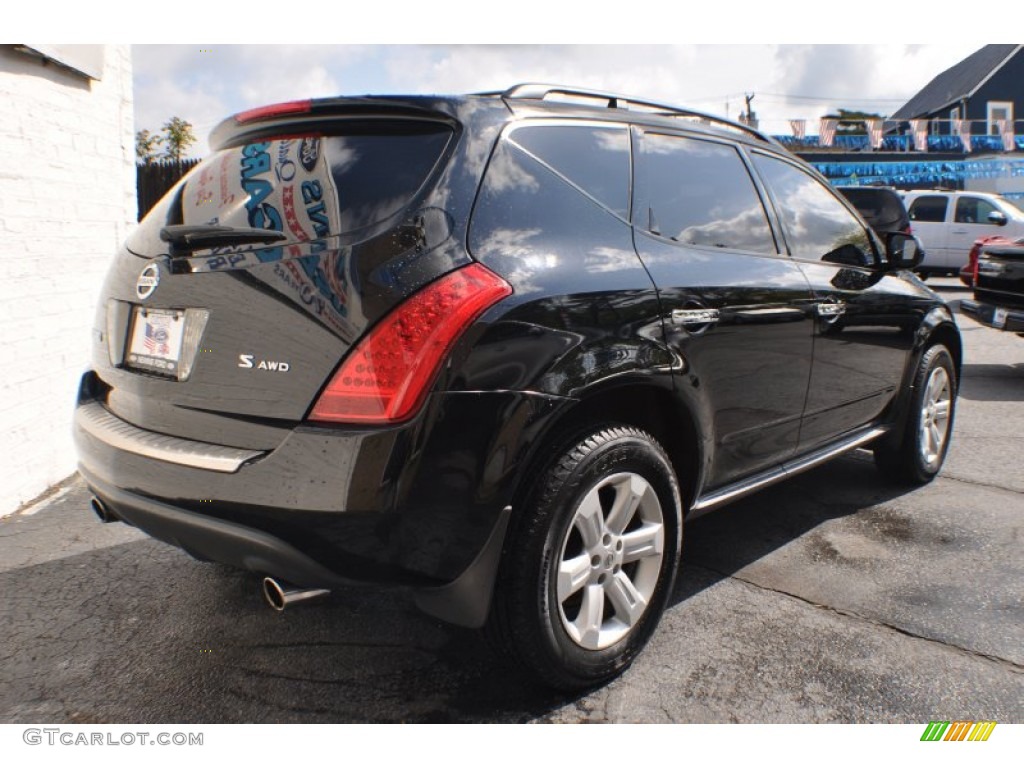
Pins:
x: 204, y: 85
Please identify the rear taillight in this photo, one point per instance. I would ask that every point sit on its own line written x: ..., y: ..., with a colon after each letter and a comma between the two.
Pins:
x: 275, y: 110
x: 386, y: 377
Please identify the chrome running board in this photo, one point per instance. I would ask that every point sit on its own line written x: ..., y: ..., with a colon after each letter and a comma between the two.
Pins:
x: 757, y: 482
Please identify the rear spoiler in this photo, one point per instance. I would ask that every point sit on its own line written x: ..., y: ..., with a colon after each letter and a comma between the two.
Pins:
x: 314, y: 116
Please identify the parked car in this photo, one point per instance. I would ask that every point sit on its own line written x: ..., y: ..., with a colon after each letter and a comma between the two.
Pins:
x: 969, y: 271
x: 948, y: 223
x: 495, y: 348
x: 999, y: 287
x: 881, y: 207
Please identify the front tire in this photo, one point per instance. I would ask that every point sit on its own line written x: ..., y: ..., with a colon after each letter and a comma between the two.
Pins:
x: 592, y: 561
x: 929, y: 423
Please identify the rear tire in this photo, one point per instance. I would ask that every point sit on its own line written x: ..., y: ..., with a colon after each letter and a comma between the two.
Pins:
x: 918, y: 457
x: 592, y: 560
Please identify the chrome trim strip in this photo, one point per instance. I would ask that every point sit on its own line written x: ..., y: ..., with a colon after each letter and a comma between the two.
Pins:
x: 745, y: 487
x: 95, y: 420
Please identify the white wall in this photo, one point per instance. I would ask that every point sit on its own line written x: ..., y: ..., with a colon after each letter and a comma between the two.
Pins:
x: 67, y: 199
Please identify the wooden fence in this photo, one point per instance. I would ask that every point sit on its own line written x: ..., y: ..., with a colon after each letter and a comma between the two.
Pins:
x: 153, y: 180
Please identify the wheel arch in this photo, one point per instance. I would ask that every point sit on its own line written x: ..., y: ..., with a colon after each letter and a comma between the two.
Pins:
x: 648, y: 407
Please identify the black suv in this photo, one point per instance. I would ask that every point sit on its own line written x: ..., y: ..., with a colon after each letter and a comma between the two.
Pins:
x: 881, y: 207
x: 494, y: 348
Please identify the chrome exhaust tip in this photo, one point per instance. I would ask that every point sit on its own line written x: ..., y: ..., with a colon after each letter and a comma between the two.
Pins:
x: 101, y: 511
x: 279, y: 596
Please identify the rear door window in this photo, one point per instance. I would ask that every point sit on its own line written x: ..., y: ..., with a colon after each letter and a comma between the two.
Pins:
x: 699, y: 193
x: 928, y: 208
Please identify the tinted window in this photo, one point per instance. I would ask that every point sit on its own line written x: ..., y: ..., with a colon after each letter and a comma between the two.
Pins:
x: 594, y: 159
x: 881, y: 208
x: 928, y: 208
x: 973, y: 210
x: 818, y: 226
x: 307, y: 187
x: 699, y: 193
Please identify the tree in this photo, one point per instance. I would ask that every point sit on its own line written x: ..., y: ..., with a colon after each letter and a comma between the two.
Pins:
x: 851, y: 121
x: 178, y: 137
x: 146, y: 145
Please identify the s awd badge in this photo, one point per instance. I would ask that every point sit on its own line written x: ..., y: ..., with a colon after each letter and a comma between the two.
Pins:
x: 250, y: 361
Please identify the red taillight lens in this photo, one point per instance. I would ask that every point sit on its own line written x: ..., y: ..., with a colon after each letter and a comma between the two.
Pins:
x: 386, y: 376
x: 275, y: 110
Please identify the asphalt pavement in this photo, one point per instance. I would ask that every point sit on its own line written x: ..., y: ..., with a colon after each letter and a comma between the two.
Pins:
x: 833, y: 597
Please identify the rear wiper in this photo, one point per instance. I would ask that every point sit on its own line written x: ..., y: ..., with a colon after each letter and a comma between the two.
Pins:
x: 187, y: 237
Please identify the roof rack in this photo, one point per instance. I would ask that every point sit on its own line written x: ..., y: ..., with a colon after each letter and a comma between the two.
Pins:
x: 540, y: 91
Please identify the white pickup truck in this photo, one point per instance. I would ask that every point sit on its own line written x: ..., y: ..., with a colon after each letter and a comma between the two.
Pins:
x: 947, y: 224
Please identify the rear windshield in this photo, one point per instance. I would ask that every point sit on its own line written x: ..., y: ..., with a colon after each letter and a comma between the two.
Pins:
x: 308, y: 187
x: 882, y: 209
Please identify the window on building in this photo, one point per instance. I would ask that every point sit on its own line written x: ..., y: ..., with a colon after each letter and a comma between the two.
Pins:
x: 999, y: 110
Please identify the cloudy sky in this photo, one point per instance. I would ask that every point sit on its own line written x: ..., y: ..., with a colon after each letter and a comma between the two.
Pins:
x: 203, y: 83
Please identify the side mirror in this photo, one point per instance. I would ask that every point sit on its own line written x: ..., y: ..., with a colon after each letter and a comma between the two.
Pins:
x: 998, y: 218
x: 902, y: 251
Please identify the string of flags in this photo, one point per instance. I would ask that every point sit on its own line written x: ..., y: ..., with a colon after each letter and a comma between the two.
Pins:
x: 919, y: 173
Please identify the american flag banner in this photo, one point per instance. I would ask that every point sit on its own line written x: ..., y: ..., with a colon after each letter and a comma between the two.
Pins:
x: 1006, y: 131
x: 920, y: 130
x: 799, y: 128
x: 874, y: 126
x: 962, y: 128
x: 155, y: 340
x: 828, y: 131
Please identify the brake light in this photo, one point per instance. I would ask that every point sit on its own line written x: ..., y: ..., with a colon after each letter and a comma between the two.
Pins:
x: 385, y: 378
x: 275, y: 110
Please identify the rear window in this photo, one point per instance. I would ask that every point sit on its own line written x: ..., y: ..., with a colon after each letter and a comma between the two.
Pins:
x: 881, y: 208
x: 928, y: 208
x: 308, y: 187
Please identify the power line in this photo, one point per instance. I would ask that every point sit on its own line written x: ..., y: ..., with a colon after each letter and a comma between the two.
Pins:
x: 794, y: 97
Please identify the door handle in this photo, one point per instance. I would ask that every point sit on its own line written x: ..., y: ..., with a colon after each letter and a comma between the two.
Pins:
x: 692, y: 317
x: 830, y: 309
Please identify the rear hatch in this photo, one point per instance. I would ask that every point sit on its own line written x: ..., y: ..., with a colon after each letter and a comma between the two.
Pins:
x: 229, y: 307
x: 1000, y: 274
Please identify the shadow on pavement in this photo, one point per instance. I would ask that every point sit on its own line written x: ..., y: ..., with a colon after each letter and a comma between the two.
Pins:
x: 140, y: 632
x: 728, y: 539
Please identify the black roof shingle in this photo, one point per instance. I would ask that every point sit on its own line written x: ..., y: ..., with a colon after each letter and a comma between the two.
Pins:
x: 957, y: 82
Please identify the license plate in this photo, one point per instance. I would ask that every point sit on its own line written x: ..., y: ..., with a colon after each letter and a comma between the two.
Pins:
x: 999, y: 317
x: 156, y: 340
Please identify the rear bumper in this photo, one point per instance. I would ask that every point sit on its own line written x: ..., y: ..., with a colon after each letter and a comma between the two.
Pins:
x: 1000, y: 318
x: 417, y: 505
x: 465, y: 601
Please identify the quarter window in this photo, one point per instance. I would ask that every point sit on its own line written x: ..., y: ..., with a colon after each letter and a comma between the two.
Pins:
x: 594, y: 158
x: 817, y: 225
x: 928, y: 208
x: 699, y: 193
